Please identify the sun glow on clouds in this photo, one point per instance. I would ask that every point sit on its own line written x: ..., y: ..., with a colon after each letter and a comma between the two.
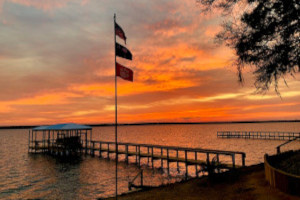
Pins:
x: 218, y: 97
x: 63, y: 70
x: 43, y: 99
x: 129, y: 89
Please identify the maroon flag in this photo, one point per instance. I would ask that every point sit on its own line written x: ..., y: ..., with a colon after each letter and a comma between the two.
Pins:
x: 120, y: 32
x: 124, y: 72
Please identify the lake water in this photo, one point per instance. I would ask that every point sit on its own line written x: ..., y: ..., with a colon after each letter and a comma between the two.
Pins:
x: 27, y: 176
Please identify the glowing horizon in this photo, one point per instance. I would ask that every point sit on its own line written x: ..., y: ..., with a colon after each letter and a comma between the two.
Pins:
x: 57, y: 65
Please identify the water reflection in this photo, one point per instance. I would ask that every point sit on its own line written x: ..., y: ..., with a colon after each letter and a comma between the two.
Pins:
x: 54, y: 178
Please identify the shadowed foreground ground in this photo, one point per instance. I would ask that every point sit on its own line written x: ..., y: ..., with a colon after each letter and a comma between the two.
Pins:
x: 245, y: 184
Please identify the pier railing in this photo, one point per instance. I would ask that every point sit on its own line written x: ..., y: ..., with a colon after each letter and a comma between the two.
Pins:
x: 267, y: 135
x: 287, y: 142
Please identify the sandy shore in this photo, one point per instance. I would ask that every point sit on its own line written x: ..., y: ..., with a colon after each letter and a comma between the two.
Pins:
x: 244, y: 184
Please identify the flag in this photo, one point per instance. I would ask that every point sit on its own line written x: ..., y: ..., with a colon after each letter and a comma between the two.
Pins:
x: 123, y: 52
x: 124, y: 72
x: 119, y: 32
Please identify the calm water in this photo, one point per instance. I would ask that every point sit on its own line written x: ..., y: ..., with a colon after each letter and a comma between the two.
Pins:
x: 25, y: 176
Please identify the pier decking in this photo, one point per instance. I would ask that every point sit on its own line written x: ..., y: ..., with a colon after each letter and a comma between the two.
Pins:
x: 266, y: 135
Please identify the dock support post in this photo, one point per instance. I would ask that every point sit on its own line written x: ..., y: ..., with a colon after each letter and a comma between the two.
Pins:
x: 49, y: 141
x: 35, y: 142
x: 218, y: 161
x: 93, y: 148
x: 152, y: 157
x: 142, y: 181
x: 32, y: 140
x: 161, y: 161
x: 100, y: 150
x: 243, y: 159
x: 86, y: 143
x: 196, y: 165
x: 233, y: 160
x: 208, y: 163
x: 28, y: 140
x: 43, y: 142
x: 278, y: 149
x: 108, y: 151
x: 139, y: 156
x: 207, y: 158
x: 148, y: 156
x: 177, y: 160
x: 136, y: 155
x: 168, y: 165
x: 126, y: 153
x: 186, y: 164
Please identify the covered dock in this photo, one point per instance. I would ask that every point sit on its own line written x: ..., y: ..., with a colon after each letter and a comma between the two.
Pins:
x: 59, y: 139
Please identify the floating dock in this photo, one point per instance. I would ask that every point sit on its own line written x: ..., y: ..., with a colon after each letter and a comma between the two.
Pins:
x: 266, y: 135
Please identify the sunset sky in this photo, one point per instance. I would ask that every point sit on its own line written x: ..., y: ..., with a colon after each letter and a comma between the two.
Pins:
x: 57, y: 65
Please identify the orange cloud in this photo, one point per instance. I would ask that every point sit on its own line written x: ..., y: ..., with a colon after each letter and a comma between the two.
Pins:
x: 43, y: 99
x: 163, y: 83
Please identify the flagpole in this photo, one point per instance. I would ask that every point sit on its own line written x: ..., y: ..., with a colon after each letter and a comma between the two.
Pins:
x: 116, y: 111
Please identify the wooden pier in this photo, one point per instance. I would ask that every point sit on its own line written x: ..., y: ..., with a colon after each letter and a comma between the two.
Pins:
x: 72, y: 139
x: 266, y: 135
x: 203, y: 160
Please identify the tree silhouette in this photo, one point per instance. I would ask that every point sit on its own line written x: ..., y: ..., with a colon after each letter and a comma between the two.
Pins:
x: 265, y: 35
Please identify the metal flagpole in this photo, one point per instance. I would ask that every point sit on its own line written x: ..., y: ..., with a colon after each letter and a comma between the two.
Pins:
x: 116, y: 111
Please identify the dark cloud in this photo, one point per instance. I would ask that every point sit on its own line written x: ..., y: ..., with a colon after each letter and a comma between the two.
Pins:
x: 188, y: 59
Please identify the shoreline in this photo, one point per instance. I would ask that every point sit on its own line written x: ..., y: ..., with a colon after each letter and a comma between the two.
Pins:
x: 246, y: 183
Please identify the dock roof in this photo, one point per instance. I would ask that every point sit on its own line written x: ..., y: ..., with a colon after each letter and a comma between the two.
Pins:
x: 57, y: 127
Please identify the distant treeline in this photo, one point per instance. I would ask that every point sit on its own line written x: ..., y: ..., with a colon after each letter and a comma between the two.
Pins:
x: 17, y: 127
x: 161, y: 123
x: 175, y: 123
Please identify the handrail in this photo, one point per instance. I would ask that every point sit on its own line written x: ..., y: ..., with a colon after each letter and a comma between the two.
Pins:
x: 130, y: 183
x: 279, y: 146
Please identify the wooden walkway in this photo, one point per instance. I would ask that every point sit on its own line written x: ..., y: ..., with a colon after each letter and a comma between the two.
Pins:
x: 258, y: 135
x: 203, y: 160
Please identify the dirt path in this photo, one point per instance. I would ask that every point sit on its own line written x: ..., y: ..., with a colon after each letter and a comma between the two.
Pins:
x: 246, y: 184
